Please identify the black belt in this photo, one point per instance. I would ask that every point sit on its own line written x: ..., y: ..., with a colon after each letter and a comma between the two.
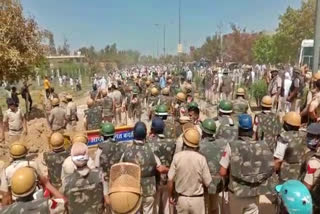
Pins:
x: 190, y: 196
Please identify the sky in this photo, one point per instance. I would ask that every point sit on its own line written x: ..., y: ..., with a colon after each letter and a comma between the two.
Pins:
x: 131, y: 23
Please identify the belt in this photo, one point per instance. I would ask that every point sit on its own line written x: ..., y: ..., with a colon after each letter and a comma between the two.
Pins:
x: 190, y: 196
x: 15, y: 130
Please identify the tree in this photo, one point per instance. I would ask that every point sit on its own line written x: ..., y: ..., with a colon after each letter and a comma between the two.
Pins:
x: 264, y: 50
x: 65, y: 49
x: 20, y: 42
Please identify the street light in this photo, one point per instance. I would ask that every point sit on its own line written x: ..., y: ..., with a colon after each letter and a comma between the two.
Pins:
x: 164, y: 38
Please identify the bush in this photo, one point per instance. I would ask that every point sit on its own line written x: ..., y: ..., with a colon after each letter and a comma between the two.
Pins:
x: 258, y: 90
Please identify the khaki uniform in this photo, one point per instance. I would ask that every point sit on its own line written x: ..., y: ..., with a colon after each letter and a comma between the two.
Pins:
x: 274, y: 85
x: 189, y: 170
x: 117, y: 99
x: 57, y: 119
x: 12, y: 168
x: 71, y: 113
x: 15, y: 122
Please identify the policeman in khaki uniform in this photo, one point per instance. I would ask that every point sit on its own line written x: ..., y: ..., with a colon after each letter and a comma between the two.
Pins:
x: 57, y: 118
x: 290, y: 147
x: 54, y: 159
x: 249, y: 166
x: 93, y: 116
x: 71, y: 113
x: 153, y: 101
x: 188, y: 175
x: 24, y: 187
x: 18, y: 153
x: 125, y: 188
x: 212, y: 149
x: 179, y: 107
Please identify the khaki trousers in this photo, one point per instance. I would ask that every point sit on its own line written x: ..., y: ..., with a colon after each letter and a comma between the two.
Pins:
x: 212, y: 203
x: 247, y: 205
x: 148, y: 205
x: 13, y: 138
x: 190, y: 205
x: 295, y: 105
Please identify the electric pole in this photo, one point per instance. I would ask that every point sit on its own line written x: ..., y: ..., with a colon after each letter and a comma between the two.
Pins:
x: 316, y: 39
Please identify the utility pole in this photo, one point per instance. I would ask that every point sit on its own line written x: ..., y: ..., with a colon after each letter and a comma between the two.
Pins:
x: 316, y: 39
x: 164, y: 40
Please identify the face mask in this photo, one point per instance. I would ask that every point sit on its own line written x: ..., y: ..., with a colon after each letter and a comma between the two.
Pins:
x: 312, y: 143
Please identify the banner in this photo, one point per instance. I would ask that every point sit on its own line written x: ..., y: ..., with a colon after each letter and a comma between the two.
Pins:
x: 122, y: 134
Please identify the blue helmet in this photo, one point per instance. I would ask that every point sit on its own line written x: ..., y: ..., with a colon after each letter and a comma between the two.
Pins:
x: 245, y: 121
x: 140, y: 131
x: 295, y: 197
x: 157, y: 125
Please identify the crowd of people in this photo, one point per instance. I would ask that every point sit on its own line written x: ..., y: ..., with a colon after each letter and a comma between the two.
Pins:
x: 179, y: 160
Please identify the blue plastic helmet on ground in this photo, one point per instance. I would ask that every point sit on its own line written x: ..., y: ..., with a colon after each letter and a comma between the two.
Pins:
x: 245, y: 121
x: 295, y: 197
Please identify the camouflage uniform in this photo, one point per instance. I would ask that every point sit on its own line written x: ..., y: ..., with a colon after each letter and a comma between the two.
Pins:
x: 226, y: 87
x: 251, y: 173
x: 292, y: 162
x: 84, y: 193
x: 240, y: 106
x: 94, y: 118
x: 141, y: 153
x: 172, y: 129
x: 226, y: 128
x: 54, y: 161
x: 29, y: 207
x: 213, y: 149
x: 180, y: 110
x: 107, y: 108
x: 134, y: 108
x: 267, y: 126
x: 166, y: 100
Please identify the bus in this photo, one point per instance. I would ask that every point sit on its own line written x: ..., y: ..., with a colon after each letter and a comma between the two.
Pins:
x: 306, y: 53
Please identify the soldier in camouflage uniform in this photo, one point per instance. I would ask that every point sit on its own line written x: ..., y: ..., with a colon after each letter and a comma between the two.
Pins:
x: 290, y: 147
x: 226, y: 127
x: 249, y: 166
x: 141, y: 153
x: 93, y: 116
x: 135, y: 105
x: 23, y: 187
x: 108, y: 107
x: 240, y: 104
x: 165, y: 98
x: 54, y: 159
x: 172, y: 128
x: 164, y: 149
x: 153, y: 101
x: 149, y: 85
x: 212, y: 149
x: 84, y: 188
x: 267, y: 125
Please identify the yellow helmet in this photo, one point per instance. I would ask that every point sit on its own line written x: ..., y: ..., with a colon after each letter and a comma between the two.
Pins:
x: 316, y: 76
x: 266, y: 102
x: 104, y: 92
x: 69, y: 97
x: 181, y: 96
x: 23, y: 182
x: 191, y: 137
x: 165, y: 91
x: 80, y: 138
x: 18, y: 150
x: 90, y: 102
x: 292, y: 118
x: 148, y: 82
x: 56, y: 141
x: 55, y: 101
x: 240, y: 92
x: 169, y: 81
x: 154, y: 91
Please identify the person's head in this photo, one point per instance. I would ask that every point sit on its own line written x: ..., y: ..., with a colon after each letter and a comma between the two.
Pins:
x: 104, y: 92
x: 57, y: 141
x: 79, y: 154
x: 90, y: 103
x: 23, y: 183
x: 225, y: 107
x: 240, y: 92
x: 181, y: 97
x: 18, y: 150
x: 313, y: 136
x: 157, y: 126
x: 14, y: 89
x: 295, y: 198
x: 107, y: 130
x: 162, y: 111
x: 94, y: 87
x: 55, y: 102
x: 245, y: 125
x: 292, y: 121
x: 266, y: 103
x: 52, y: 89
x: 12, y: 105
x: 194, y: 113
x: 317, y: 84
x: 274, y: 73
x: 191, y: 138
x: 208, y: 127
x: 46, y: 77
x: 154, y: 91
x: 140, y: 131
x: 79, y: 137
x: 69, y: 97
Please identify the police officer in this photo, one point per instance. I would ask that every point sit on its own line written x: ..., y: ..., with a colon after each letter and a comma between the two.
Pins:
x: 313, y: 111
x: 294, y: 198
x: 240, y: 104
x: 153, y: 101
x: 55, y: 158
x: 18, y: 153
x: 226, y: 86
x: 267, y: 125
x: 108, y: 107
x: 290, y: 147
x: 225, y: 124
x: 93, y: 116
x: 165, y: 98
x: 179, y: 107
x: 274, y: 88
x: 194, y: 114
x: 71, y: 113
x: 23, y: 187
x: 212, y: 149
x: 57, y: 117
x: 164, y: 149
x: 135, y: 105
x: 84, y: 188
x: 141, y: 153
x: 249, y: 166
x: 171, y: 128
x: 189, y: 173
